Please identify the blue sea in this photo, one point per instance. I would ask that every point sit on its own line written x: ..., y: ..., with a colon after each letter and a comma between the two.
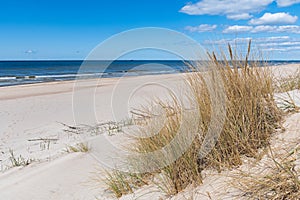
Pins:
x: 29, y: 72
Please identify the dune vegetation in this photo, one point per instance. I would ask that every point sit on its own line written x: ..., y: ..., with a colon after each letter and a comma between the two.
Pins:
x: 250, y: 119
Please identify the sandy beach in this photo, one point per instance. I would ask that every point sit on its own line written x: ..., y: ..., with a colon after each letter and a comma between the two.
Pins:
x: 32, y: 118
x: 33, y: 122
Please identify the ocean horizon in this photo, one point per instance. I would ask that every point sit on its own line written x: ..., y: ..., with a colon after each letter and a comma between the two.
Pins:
x: 21, y: 72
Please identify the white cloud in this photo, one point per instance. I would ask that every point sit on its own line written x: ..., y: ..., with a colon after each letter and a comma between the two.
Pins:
x: 280, y: 47
x: 263, y: 28
x: 226, y: 41
x: 29, y: 51
x: 239, y: 16
x: 281, y: 44
x: 230, y: 8
x: 233, y: 9
x: 276, y: 18
x: 293, y: 48
x: 289, y: 29
x: 273, y: 49
x: 285, y: 3
x: 273, y: 39
x: 278, y: 43
x: 201, y: 28
x: 237, y: 29
x: 277, y: 29
x: 238, y: 40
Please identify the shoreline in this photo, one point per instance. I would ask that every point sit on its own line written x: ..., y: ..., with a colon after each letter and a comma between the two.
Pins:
x: 118, y: 77
x: 89, y: 79
x: 95, y: 82
x: 106, y: 75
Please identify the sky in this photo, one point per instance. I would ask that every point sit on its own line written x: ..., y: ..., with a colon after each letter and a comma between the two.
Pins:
x: 65, y: 29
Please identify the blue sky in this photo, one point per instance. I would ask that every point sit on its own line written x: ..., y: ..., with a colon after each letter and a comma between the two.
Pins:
x: 66, y: 29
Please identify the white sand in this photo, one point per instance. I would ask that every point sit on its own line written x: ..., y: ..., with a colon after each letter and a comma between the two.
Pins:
x: 31, y: 112
x: 35, y: 111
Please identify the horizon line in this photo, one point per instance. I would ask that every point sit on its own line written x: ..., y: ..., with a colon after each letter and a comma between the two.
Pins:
x: 81, y: 60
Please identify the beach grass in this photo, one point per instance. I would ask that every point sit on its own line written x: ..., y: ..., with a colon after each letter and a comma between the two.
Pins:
x: 80, y: 147
x: 251, y: 118
x: 17, y: 161
x: 292, y: 82
x: 122, y: 183
x: 281, y: 181
x: 285, y: 85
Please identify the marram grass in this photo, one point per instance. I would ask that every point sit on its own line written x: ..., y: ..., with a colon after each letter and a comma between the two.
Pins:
x: 251, y: 117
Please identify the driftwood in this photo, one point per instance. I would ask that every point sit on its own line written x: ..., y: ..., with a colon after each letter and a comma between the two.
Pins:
x: 42, y: 139
x: 70, y: 127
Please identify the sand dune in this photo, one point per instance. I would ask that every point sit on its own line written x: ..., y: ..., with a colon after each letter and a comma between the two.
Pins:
x: 32, y: 112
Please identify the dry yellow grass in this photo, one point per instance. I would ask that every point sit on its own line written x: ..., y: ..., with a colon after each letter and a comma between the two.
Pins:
x: 251, y: 117
x: 80, y: 147
x: 281, y: 181
x: 289, y: 83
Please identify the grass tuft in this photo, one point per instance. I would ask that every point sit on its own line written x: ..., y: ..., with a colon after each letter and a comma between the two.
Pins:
x: 121, y: 183
x: 280, y: 182
x: 81, y: 147
x: 289, y: 83
x: 18, y: 161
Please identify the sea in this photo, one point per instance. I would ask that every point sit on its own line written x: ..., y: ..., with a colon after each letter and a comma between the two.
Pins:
x: 30, y: 72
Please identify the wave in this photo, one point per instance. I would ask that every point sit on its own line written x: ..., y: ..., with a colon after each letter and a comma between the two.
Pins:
x: 67, y: 75
x: 6, y: 78
x: 61, y: 76
x: 20, y: 79
x: 54, y: 76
